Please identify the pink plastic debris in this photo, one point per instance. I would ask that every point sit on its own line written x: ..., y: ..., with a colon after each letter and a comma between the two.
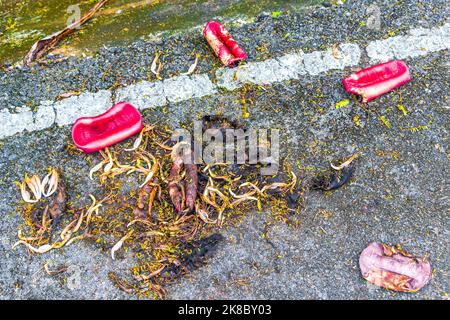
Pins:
x: 393, y: 268
x: 374, y: 81
x: 228, y: 51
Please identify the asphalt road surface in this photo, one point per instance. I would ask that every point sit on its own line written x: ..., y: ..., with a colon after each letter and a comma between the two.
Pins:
x: 398, y: 193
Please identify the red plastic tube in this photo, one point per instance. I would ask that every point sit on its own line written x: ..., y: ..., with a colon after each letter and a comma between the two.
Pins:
x: 118, y: 123
x: 228, y: 51
x: 374, y: 81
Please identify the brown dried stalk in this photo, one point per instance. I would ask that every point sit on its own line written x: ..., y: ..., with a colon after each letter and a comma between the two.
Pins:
x: 41, y: 47
x: 191, y: 180
x: 174, y: 184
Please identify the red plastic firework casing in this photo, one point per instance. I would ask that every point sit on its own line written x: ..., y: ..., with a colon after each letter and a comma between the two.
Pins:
x: 228, y: 51
x: 374, y: 81
x: 392, y: 269
x: 118, y: 123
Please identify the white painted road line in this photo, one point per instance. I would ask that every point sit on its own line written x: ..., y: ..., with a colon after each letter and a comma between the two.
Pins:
x: 85, y: 105
x: 419, y: 42
x: 187, y: 87
x: 146, y: 94
x: 290, y: 66
x: 143, y: 95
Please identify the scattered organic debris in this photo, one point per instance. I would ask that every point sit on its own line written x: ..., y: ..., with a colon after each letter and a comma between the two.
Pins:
x: 336, y: 179
x: 374, y: 81
x: 44, y: 217
x: 146, y: 195
x: 41, y: 47
x: 393, y: 268
x: 69, y: 94
x: 335, y: 51
x: 341, y: 104
x: 37, y: 187
x: 174, y: 186
x: 332, y: 181
x: 119, y: 244
x: 193, y: 66
x: 345, y: 163
x: 173, y: 208
x: 191, y: 185
x: 168, y: 213
x: 157, y: 70
x: 57, y: 205
x: 198, y: 252
x: 39, y: 237
x: 171, y: 226
x: 58, y: 270
x: 247, y: 100
x: 224, y: 46
x: 219, y: 122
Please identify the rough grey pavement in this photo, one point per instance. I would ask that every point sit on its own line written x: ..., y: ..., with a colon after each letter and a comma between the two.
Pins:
x: 398, y: 193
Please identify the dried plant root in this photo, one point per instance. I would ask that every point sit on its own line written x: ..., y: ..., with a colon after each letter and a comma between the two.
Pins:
x: 191, y: 179
x: 174, y: 184
x: 146, y: 196
x: 66, y: 234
